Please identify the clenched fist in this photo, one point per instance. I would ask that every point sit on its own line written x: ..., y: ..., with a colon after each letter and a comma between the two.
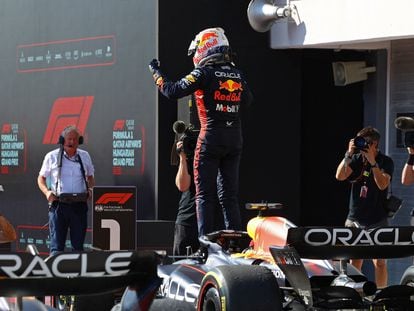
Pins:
x: 154, y: 66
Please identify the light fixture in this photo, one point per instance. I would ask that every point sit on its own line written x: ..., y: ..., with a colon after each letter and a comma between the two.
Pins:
x: 345, y: 73
x: 263, y: 13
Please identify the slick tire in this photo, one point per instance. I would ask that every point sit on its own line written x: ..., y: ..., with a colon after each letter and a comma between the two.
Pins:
x: 239, y: 288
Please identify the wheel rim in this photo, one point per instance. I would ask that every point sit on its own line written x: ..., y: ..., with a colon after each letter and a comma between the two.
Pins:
x: 209, y: 306
x: 211, y: 301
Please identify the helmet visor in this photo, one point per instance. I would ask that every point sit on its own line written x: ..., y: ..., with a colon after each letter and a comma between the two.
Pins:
x: 193, y: 46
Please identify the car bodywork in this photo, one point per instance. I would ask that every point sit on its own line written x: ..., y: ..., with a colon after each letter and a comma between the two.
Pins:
x: 285, y: 267
x: 78, y: 273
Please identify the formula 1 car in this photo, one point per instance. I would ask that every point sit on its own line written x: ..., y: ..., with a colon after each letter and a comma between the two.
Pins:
x: 89, y: 278
x: 285, y: 267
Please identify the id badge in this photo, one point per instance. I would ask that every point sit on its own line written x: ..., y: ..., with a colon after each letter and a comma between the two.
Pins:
x: 364, y: 192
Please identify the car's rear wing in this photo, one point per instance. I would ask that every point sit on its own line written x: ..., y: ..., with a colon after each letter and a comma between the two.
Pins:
x: 346, y: 243
x: 22, y: 274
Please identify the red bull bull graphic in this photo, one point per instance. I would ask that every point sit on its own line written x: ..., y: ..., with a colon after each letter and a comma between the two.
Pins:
x: 230, y: 86
x: 207, y: 41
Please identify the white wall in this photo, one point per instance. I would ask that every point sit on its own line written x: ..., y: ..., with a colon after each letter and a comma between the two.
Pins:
x: 337, y: 23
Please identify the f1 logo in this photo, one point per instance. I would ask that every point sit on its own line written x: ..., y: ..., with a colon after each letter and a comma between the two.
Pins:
x: 67, y: 111
x: 114, y: 217
x: 119, y: 198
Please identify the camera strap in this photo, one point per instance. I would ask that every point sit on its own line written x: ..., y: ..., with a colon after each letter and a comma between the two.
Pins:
x: 60, y: 157
x: 83, y: 171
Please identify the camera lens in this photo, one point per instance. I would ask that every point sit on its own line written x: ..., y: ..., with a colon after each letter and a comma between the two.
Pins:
x: 360, y: 142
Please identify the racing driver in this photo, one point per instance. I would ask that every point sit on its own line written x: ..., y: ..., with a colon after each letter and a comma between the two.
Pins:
x: 220, y: 92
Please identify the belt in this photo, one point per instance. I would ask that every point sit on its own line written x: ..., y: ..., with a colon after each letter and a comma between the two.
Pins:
x: 73, y: 197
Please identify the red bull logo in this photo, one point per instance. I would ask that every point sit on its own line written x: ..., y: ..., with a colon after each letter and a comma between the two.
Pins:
x: 207, y: 37
x: 230, y: 86
x: 208, y: 41
x: 232, y: 97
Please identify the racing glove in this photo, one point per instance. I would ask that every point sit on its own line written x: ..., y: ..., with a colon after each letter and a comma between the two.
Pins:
x: 154, y: 68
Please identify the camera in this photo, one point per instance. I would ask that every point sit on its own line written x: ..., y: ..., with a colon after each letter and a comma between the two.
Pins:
x: 189, y: 139
x: 360, y: 143
x: 188, y: 135
x: 406, y: 125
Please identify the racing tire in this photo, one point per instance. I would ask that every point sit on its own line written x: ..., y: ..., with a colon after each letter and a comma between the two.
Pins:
x: 239, y: 288
x: 408, y: 277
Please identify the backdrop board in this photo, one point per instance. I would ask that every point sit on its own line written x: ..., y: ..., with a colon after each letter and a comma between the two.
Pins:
x: 39, y: 237
x: 82, y: 63
x: 114, y: 214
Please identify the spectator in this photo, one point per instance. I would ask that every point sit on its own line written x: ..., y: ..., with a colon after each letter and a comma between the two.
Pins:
x: 66, y: 179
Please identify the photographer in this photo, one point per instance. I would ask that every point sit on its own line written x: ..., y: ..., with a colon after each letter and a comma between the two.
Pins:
x: 406, y: 126
x: 407, y: 176
x: 369, y: 172
x: 185, y: 231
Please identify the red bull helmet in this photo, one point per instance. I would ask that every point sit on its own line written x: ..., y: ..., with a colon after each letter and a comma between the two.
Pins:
x: 209, y: 46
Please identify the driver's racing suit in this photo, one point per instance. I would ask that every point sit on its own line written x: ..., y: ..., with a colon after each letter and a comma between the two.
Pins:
x: 220, y: 92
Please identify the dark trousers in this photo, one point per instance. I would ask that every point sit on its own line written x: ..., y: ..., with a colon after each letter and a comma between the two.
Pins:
x: 64, y: 217
x: 185, y: 236
x: 216, y: 172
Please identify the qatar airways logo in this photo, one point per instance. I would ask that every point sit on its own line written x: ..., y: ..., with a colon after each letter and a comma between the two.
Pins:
x: 348, y: 237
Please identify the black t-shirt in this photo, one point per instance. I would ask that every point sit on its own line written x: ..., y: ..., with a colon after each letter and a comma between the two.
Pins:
x: 186, y: 215
x: 368, y: 209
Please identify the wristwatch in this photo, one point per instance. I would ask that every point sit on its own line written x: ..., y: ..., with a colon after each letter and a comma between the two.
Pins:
x: 374, y: 165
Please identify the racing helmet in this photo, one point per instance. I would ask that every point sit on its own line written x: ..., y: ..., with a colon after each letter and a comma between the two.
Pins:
x: 210, y: 46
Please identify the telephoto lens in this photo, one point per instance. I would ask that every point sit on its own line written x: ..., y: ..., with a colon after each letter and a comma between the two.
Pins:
x: 360, y: 143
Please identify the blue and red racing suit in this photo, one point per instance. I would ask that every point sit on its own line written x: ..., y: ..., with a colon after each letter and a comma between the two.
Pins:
x: 220, y: 92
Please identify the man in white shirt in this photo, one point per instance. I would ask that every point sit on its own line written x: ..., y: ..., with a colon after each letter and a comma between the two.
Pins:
x: 66, y: 179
